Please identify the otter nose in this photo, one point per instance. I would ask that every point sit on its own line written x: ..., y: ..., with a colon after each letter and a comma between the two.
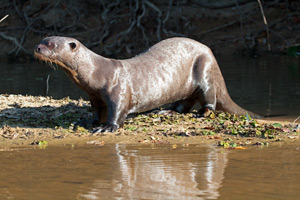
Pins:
x: 37, y: 48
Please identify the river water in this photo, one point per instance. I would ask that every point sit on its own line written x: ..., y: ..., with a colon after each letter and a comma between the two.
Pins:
x: 150, y: 172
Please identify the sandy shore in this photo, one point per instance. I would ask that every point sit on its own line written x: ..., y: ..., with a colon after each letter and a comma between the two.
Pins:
x: 43, y: 121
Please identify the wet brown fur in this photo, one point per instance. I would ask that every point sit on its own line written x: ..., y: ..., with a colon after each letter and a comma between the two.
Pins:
x: 177, y: 70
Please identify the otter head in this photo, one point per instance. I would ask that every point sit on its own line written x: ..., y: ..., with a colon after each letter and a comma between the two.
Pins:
x: 60, y: 50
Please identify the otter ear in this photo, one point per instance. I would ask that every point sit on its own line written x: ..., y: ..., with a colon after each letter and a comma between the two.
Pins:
x: 73, y: 46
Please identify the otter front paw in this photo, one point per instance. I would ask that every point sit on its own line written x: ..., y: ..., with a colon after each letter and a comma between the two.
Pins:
x: 105, y: 128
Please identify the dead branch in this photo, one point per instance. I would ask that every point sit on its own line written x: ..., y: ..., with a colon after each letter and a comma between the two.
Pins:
x: 128, y: 27
x: 138, y: 11
x: 266, y: 24
x: 18, y: 46
x: 159, y: 13
x: 3, y: 18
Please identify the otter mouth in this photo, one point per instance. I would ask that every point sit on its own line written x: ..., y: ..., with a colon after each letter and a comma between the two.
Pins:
x: 50, y: 61
x: 70, y: 72
x: 46, y: 59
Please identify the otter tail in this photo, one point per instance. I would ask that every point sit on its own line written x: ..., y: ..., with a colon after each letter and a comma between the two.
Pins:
x: 233, y: 108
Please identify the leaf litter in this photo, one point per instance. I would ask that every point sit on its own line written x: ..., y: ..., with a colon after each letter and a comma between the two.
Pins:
x: 39, y: 120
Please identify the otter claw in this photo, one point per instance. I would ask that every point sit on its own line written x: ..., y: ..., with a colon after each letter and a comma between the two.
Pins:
x: 105, y: 128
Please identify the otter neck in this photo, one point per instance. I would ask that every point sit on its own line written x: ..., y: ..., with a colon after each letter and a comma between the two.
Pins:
x: 82, y: 67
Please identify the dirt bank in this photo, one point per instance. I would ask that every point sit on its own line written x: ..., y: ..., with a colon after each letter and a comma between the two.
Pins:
x: 42, y: 121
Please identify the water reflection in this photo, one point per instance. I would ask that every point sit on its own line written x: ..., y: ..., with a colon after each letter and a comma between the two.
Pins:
x: 150, y: 172
x: 167, y: 173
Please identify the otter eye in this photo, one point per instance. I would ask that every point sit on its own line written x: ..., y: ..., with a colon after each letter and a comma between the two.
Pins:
x: 72, y: 45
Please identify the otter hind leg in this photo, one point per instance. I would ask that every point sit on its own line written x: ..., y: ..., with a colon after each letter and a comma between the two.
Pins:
x: 208, y: 101
x: 182, y: 106
x: 205, y: 70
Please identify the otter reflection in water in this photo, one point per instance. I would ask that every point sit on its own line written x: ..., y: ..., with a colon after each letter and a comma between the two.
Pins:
x: 163, y: 173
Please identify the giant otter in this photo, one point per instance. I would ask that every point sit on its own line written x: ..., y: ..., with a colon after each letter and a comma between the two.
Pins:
x: 179, y: 70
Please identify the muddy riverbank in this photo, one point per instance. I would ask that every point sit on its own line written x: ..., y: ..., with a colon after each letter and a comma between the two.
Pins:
x: 43, y: 121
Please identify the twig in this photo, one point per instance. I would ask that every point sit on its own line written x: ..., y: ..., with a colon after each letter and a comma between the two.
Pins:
x: 47, y: 82
x: 295, y: 120
x: 296, y: 128
x: 266, y: 24
x: 139, y: 25
x: 168, y: 32
x: 220, y: 27
x: 3, y: 18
